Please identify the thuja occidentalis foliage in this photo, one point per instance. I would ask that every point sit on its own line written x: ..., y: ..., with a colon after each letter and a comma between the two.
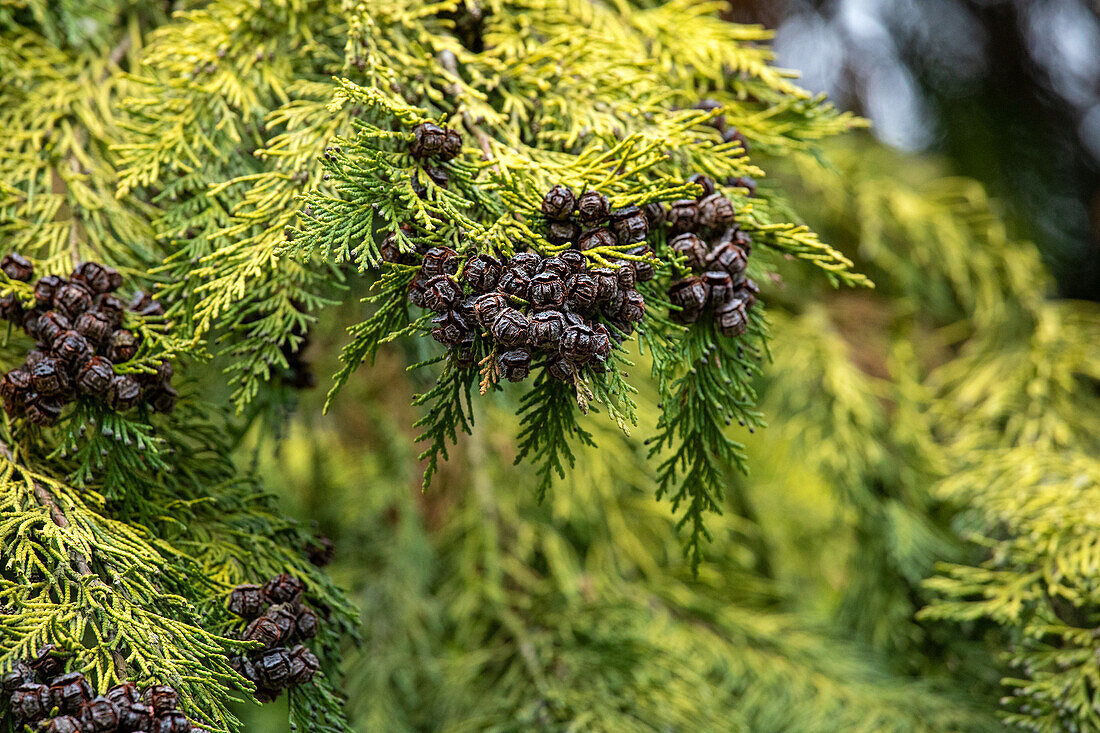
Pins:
x: 247, y: 163
x: 430, y: 229
x: 416, y: 130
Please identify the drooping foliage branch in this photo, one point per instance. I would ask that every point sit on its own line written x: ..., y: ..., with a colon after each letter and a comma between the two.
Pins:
x: 122, y: 532
x: 986, y: 385
x: 246, y: 160
x: 522, y: 96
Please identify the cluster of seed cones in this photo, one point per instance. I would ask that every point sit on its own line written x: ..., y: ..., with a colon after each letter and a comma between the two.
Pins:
x: 557, y: 308
x: 587, y: 221
x: 77, y: 324
x: 703, y: 232
x: 49, y: 700
x: 281, y: 622
x: 432, y: 143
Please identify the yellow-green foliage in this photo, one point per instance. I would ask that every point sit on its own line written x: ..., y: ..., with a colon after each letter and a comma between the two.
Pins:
x: 912, y: 547
x: 121, y: 533
x: 995, y: 399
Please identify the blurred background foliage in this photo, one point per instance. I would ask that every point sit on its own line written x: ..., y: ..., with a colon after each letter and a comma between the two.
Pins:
x: 1007, y: 91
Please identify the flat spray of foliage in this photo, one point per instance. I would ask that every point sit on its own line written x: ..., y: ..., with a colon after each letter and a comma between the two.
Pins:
x: 243, y: 158
x: 122, y: 533
x: 229, y: 119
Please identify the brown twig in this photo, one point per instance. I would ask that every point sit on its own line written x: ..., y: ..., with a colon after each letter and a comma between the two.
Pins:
x: 488, y: 371
x: 483, y: 139
x: 80, y: 140
x: 121, y: 49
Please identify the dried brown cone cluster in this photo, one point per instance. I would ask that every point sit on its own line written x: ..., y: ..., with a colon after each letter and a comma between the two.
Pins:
x: 77, y: 324
x: 432, y: 141
x: 281, y: 622
x: 587, y: 221
x: 39, y: 686
x: 703, y: 233
x: 555, y: 307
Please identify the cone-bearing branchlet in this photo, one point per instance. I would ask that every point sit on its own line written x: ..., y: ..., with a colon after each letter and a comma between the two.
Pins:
x: 515, y: 282
x: 123, y: 392
x: 556, y: 266
x: 511, y: 327
x: 718, y: 285
x: 17, y: 267
x: 30, y: 702
x: 62, y: 724
x: 440, y: 293
x: 283, y: 588
x: 428, y: 139
x: 583, y: 291
x: 247, y: 601
x: 562, y: 232
x: 689, y: 294
x: 732, y: 318
x: 716, y: 211
x: 683, y: 216
x: 432, y: 141
x: 450, y: 328
x: 692, y: 249
x: 526, y: 303
x: 703, y: 182
x: 487, y: 307
x: 515, y: 364
x: 526, y: 262
x: 592, y: 207
x: 600, y: 237
x: 655, y: 214
x: 280, y: 622
x: 559, y: 202
x: 546, y: 328
x: 482, y: 273
x: 439, y: 261
x: 547, y: 290
x: 76, y: 323
x: 644, y: 271
x: 19, y: 674
x: 39, y: 688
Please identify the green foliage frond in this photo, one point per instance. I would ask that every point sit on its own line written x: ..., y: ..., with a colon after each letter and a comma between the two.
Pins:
x: 524, y: 104
x: 549, y: 425
x: 57, y: 179
x: 78, y: 575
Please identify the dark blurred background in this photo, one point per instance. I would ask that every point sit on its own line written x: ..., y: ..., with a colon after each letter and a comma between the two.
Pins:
x: 1008, y: 91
